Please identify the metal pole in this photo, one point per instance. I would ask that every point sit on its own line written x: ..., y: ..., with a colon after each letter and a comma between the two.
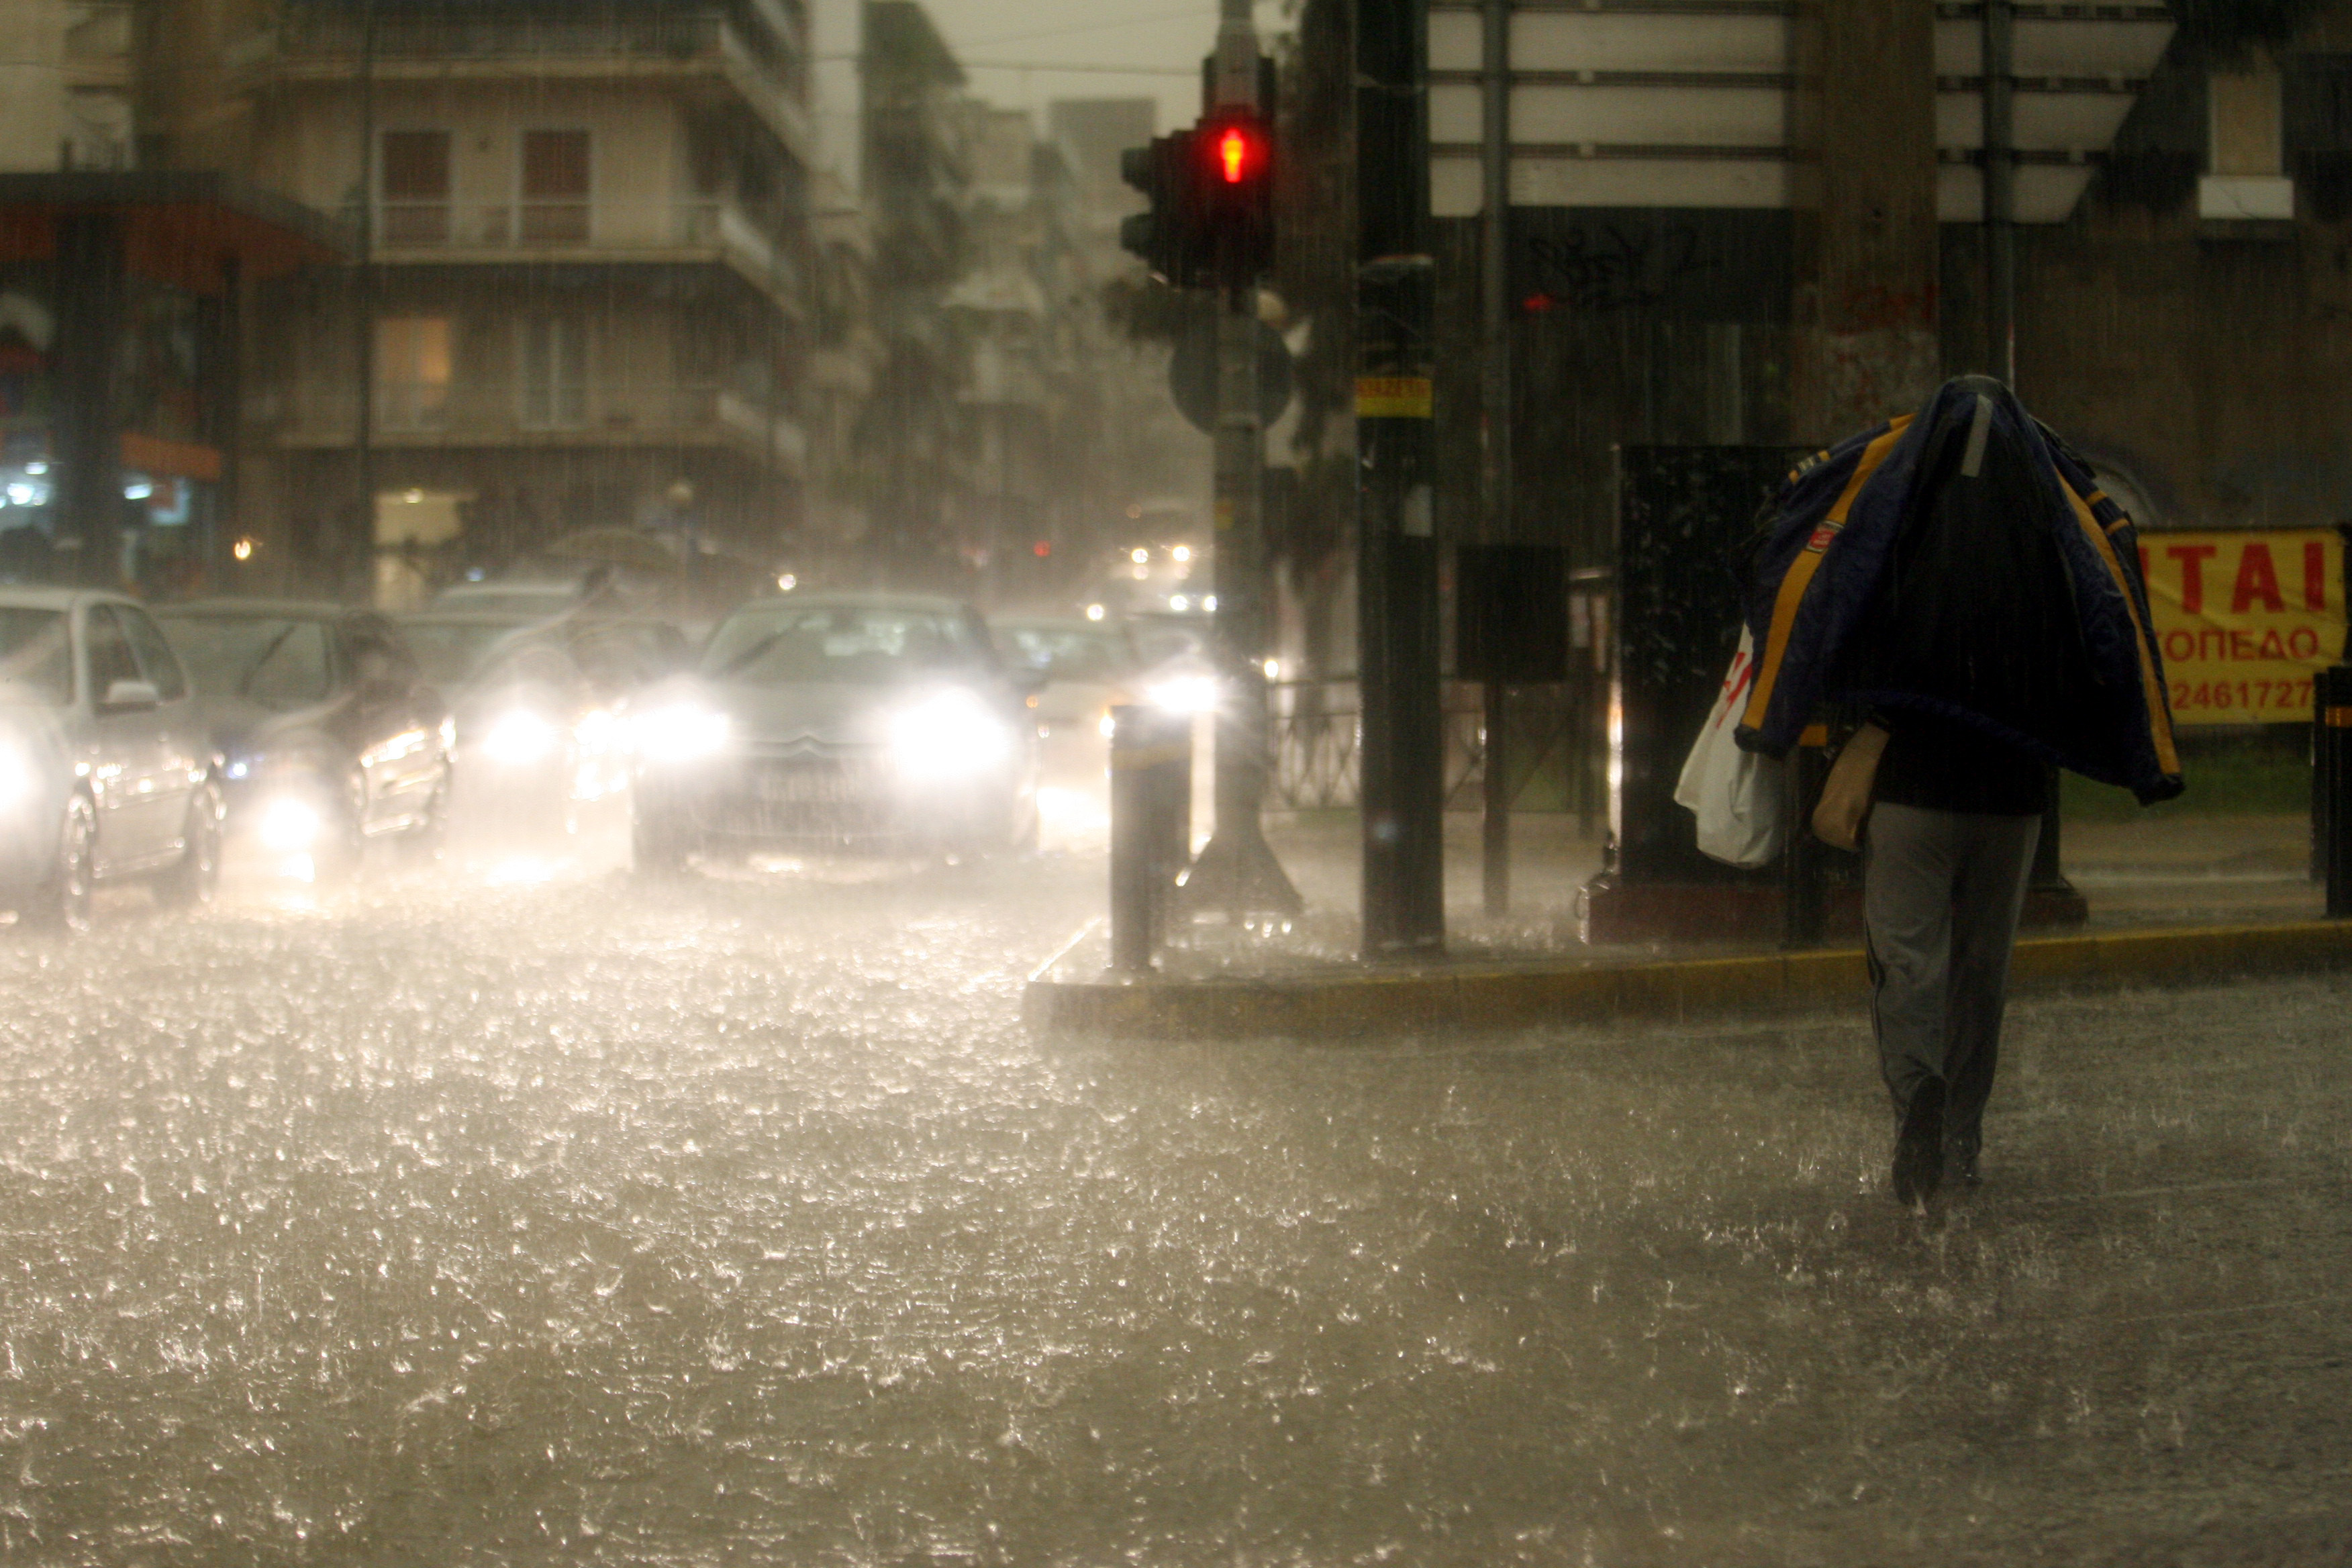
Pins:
x: 364, y: 434
x: 2332, y: 784
x: 1403, y: 743
x: 1134, y: 851
x: 1237, y: 872
x: 1495, y: 397
x: 1999, y: 102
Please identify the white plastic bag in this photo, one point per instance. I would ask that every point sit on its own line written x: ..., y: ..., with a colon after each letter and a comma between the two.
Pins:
x: 1741, y: 798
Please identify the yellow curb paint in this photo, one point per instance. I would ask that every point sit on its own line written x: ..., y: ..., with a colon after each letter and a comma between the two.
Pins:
x: 1484, y: 1000
x: 1394, y: 397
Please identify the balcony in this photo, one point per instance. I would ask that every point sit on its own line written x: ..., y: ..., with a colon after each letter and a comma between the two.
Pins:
x: 502, y: 415
x: 323, y: 44
x: 698, y: 230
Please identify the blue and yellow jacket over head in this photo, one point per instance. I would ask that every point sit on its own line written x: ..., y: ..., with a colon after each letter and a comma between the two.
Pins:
x: 1961, y: 562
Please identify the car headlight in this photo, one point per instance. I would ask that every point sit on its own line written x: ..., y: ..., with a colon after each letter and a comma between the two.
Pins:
x: 288, y: 825
x: 950, y: 736
x: 1184, y: 694
x: 682, y: 731
x: 20, y: 779
x: 519, y: 738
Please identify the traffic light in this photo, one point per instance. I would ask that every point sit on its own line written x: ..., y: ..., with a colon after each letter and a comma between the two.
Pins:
x: 1212, y: 195
x: 1233, y: 172
x: 1170, y: 237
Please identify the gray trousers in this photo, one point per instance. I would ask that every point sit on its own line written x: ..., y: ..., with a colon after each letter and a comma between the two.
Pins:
x: 1941, y: 894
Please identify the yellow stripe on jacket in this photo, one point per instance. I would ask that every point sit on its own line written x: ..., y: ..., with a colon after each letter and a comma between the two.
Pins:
x: 2159, y: 714
x: 1801, y: 572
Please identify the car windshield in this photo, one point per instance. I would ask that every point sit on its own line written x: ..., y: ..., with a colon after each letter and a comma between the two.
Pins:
x: 1066, y: 652
x: 450, y: 651
x: 849, y: 645
x: 278, y: 662
x: 34, y: 663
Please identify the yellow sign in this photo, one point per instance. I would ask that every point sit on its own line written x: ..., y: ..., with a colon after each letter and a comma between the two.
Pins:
x: 2246, y: 620
x: 1392, y: 398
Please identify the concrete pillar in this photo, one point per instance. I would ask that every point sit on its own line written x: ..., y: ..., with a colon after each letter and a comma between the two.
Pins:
x: 87, y: 432
x: 1866, y: 265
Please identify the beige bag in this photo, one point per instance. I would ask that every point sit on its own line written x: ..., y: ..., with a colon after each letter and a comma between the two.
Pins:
x: 1845, y: 795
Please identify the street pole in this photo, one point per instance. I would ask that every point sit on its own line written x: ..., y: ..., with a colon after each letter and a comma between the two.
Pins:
x: 1236, y: 871
x: 1397, y: 655
x: 1495, y: 396
x: 2000, y: 99
x: 2000, y: 188
x: 345, y: 565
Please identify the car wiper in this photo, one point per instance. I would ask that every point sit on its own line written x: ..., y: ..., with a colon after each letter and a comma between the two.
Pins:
x: 754, y: 651
x: 253, y: 670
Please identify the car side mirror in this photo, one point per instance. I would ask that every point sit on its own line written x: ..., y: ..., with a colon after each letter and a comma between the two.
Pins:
x: 131, y: 696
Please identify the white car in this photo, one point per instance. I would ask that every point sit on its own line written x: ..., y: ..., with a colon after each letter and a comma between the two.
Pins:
x: 106, y: 766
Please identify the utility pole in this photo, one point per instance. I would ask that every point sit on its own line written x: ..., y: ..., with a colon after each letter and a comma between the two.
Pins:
x: 1495, y: 397
x: 2000, y: 188
x: 1397, y: 659
x: 1236, y: 871
x: 346, y: 564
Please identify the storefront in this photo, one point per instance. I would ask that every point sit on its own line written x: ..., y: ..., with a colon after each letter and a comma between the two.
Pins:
x: 120, y: 304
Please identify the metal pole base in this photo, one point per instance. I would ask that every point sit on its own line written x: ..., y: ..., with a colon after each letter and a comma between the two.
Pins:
x: 1236, y: 874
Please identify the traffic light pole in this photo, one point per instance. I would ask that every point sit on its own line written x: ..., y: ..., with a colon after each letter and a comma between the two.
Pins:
x: 1236, y: 871
x: 1396, y: 571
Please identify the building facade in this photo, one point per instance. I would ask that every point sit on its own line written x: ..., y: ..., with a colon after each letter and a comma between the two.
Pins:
x: 581, y: 297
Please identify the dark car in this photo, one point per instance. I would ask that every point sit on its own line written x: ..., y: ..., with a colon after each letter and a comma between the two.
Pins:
x: 860, y: 720
x: 534, y: 701
x: 330, y: 734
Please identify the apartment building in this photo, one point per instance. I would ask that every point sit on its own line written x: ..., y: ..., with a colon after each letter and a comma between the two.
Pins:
x: 585, y: 235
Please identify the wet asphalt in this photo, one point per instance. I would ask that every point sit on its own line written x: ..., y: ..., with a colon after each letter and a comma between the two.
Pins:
x: 517, y: 1212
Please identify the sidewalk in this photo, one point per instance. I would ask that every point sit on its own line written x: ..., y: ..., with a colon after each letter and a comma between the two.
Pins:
x: 2172, y: 900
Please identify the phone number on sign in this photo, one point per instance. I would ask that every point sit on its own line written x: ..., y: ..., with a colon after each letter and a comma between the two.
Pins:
x: 2256, y: 696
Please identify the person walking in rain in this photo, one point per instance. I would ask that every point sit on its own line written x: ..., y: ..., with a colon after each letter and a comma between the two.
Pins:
x: 1957, y: 579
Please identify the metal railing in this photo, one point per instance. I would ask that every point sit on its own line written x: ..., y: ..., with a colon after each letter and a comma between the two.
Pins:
x: 692, y: 223
x: 1317, y: 738
x: 478, y: 409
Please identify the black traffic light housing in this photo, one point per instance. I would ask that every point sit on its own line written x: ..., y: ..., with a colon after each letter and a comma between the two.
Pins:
x: 1170, y: 236
x: 1234, y: 174
x: 1211, y: 224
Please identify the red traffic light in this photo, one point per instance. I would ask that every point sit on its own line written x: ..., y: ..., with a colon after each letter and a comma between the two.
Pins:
x: 1239, y: 154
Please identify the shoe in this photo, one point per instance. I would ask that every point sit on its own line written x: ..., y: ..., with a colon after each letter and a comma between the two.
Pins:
x: 1919, y: 1151
x: 1961, y: 1165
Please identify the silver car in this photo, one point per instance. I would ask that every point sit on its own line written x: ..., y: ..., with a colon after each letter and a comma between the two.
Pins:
x: 106, y: 770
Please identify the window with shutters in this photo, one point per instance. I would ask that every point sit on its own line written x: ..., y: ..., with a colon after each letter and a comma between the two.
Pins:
x: 413, y: 187
x: 554, y: 372
x: 412, y: 372
x: 555, y: 187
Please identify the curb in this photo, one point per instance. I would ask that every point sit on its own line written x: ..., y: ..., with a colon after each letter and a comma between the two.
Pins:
x: 1343, y: 1004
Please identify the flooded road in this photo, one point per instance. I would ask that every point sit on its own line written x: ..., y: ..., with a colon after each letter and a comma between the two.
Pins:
x: 526, y: 1215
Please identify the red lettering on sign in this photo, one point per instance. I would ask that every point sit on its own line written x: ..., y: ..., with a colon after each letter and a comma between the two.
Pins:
x: 2303, y: 643
x: 2192, y: 572
x: 2272, y: 648
x: 2257, y: 578
x: 2315, y: 574
x: 2179, y: 645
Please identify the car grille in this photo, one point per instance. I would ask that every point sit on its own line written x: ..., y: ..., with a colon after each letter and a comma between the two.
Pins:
x: 809, y: 796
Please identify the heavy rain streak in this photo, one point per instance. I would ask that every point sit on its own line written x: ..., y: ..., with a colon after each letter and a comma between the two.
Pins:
x: 1360, y: 782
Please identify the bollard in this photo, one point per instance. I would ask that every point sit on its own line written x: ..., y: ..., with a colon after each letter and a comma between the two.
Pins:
x: 1148, y: 837
x: 2331, y: 785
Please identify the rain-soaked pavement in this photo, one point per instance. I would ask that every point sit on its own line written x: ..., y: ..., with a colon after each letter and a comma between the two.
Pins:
x: 528, y: 1216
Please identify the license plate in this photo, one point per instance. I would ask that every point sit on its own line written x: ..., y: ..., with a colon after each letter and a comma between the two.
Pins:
x: 803, y: 786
